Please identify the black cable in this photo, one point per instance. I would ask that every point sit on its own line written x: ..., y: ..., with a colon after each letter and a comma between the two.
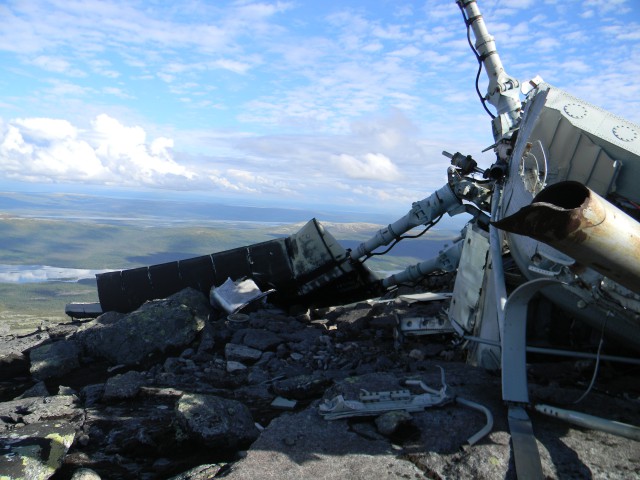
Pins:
x: 478, y: 58
x: 402, y: 237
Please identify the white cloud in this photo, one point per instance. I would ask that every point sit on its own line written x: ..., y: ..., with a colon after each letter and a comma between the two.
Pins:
x: 547, y: 43
x: 233, y: 65
x: 117, y: 92
x: 371, y: 166
x: 53, y: 150
x: 57, y: 65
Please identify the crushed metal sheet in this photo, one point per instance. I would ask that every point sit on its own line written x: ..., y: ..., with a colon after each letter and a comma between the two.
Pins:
x: 234, y: 296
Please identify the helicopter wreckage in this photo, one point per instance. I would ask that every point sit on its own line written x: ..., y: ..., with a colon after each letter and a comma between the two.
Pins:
x: 555, y: 226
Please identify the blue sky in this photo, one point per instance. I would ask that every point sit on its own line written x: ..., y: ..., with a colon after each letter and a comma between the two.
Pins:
x: 289, y: 103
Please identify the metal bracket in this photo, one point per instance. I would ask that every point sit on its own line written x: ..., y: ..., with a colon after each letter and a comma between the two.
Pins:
x: 514, y: 340
x: 514, y: 377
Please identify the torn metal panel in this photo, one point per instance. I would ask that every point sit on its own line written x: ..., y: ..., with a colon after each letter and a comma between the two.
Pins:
x: 464, y: 308
x: 234, y: 296
x: 270, y: 263
x: 376, y: 403
x: 317, y: 257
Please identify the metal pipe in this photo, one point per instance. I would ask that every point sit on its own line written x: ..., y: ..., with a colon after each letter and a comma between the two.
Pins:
x: 476, y: 437
x: 485, y: 45
x: 446, y: 261
x: 421, y: 213
x: 590, y: 421
x: 502, y: 92
x: 495, y: 247
x: 560, y: 353
x: 578, y: 222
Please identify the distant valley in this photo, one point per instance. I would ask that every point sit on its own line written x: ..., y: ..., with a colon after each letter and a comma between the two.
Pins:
x: 83, y: 232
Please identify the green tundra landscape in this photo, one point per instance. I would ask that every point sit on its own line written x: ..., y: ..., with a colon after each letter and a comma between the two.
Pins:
x: 54, y: 237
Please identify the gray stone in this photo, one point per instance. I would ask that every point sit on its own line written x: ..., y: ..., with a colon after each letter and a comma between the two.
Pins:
x: 233, y: 366
x: 38, y: 390
x: 123, y: 386
x: 241, y: 353
x: 92, y: 394
x: 261, y: 339
x: 390, y: 422
x: 53, y: 359
x: 41, y: 409
x: 201, y: 472
x: 64, y: 390
x: 257, y: 375
x: 215, y: 421
x: 296, y: 357
x: 302, y: 387
x: 153, y: 328
x: 85, y: 474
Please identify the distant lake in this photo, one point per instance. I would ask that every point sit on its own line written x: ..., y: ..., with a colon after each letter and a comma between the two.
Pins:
x: 44, y: 273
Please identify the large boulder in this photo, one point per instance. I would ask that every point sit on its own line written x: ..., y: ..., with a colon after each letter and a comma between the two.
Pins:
x: 54, y: 359
x: 155, y: 327
x: 216, y: 421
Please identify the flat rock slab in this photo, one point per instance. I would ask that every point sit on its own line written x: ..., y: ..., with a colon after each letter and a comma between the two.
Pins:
x: 304, y: 445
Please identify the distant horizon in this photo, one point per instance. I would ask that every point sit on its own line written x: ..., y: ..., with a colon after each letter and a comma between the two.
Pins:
x: 333, y: 213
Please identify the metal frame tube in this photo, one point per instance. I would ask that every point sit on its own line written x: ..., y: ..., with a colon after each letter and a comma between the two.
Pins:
x: 560, y: 353
x: 495, y: 247
x: 590, y: 421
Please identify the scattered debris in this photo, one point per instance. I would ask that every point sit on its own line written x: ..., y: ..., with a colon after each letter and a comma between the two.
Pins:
x: 158, y: 418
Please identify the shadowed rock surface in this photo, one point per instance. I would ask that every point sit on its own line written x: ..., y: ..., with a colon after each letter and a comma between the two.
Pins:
x: 172, y: 391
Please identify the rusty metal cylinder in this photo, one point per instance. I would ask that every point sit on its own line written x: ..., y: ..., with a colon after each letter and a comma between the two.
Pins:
x: 578, y: 222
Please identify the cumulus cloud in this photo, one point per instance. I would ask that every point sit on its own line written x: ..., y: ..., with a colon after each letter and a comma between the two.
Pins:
x: 371, y: 166
x: 53, y: 150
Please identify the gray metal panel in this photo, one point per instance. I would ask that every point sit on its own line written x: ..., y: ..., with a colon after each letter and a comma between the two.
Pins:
x: 468, y: 286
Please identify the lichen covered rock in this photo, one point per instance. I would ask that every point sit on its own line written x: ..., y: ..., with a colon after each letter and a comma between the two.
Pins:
x: 34, y: 451
x: 153, y: 328
x: 216, y: 421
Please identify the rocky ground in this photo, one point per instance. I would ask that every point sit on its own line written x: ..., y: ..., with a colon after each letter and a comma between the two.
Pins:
x: 173, y: 390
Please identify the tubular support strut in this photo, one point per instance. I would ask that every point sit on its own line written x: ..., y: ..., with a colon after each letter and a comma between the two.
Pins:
x: 421, y: 213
